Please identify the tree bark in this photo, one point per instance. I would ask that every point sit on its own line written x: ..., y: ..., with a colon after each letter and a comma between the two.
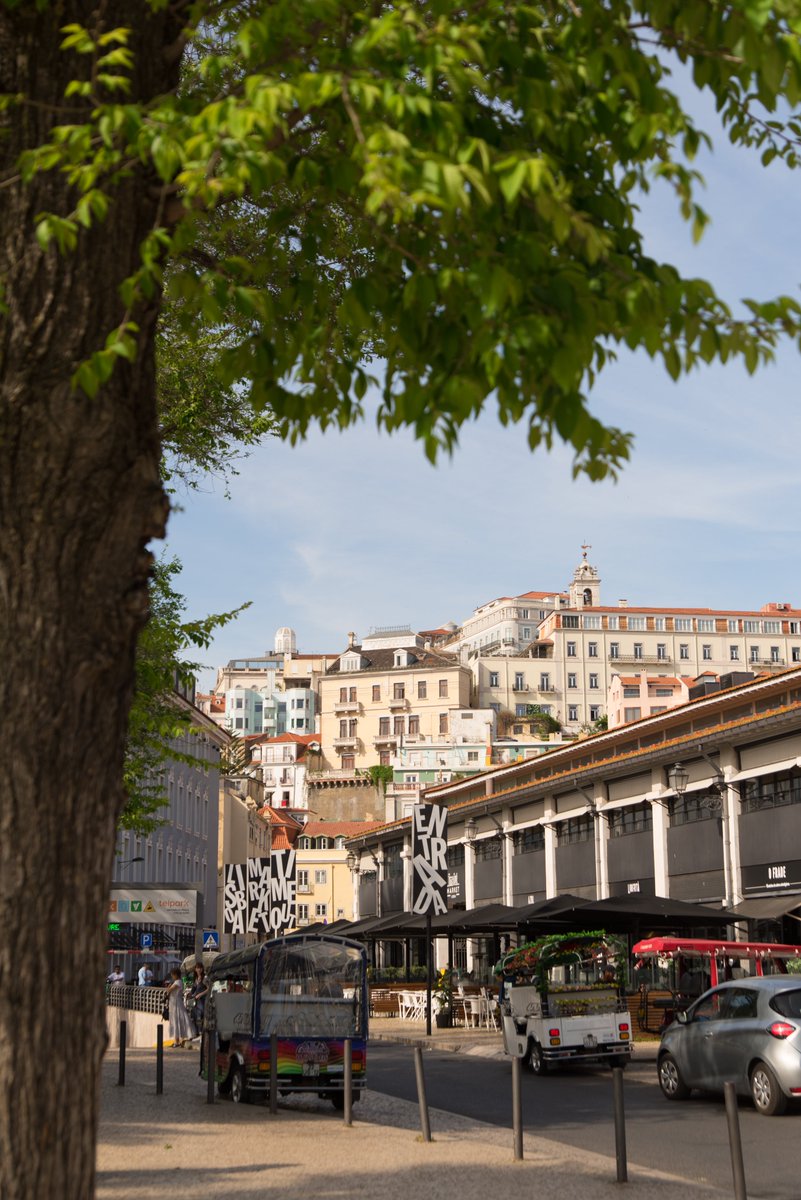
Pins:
x: 80, y: 497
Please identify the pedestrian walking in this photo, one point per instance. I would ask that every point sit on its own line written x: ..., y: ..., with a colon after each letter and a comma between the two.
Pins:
x: 145, y: 975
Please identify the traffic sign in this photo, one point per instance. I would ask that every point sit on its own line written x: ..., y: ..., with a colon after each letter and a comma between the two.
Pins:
x: 211, y: 939
x: 146, y: 941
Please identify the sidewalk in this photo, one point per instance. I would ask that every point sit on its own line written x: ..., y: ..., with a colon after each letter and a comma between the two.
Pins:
x: 149, y: 1144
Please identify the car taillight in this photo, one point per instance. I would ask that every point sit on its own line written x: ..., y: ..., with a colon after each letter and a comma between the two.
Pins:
x: 623, y: 1028
x: 781, y: 1029
x: 554, y: 1032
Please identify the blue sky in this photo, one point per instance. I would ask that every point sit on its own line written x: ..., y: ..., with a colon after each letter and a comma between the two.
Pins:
x: 354, y: 530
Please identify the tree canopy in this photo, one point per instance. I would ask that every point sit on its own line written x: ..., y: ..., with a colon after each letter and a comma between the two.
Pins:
x: 441, y: 197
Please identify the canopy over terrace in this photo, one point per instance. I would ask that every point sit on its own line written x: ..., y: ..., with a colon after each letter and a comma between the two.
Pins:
x: 625, y: 914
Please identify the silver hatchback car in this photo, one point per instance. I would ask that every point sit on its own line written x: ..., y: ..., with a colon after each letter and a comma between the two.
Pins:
x: 747, y: 1031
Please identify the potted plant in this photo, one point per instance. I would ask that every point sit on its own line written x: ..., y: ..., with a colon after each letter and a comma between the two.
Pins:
x: 443, y: 996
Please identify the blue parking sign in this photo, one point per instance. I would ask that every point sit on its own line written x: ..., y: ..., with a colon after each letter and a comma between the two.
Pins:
x: 146, y: 941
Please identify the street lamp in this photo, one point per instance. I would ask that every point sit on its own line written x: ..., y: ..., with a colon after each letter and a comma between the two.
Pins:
x: 471, y: 829
x: 352, y: 860
x: 678, y: 778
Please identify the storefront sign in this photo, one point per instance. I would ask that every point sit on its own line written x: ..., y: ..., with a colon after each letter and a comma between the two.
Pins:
x: 153, y: 906
x: 429, y: 859
x: 772, y: 877
x: 633, y: 887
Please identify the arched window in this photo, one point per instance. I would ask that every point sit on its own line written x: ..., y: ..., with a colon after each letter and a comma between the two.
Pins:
x: 588, y: 596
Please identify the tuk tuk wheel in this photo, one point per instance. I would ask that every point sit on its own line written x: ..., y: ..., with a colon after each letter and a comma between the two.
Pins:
x: 239, y: 1086
x: 338, y: 1099
x: 534, y: 1059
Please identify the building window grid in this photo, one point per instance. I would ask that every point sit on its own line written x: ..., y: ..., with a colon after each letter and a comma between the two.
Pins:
x: 574, y: 830
x: 687, y: 810
x: 528, y: 841
x: 488, y: 848
x: 626, y: 821
x: 772, y: 791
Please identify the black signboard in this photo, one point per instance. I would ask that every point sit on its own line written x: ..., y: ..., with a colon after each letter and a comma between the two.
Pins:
x: 772, y: 877
x: 429, y: 859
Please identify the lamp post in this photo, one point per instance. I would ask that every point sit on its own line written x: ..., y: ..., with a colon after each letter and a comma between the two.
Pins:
x: 352, y: 862
x: 678, y: 778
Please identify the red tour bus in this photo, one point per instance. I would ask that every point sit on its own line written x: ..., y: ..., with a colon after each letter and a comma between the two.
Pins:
x: 678, y: 970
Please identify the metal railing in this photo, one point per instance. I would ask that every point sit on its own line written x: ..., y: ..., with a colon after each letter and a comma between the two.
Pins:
x: 137, y: 999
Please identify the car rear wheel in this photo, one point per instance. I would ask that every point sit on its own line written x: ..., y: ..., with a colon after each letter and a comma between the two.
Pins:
x: 769, y: 1099
x: 670, y: 1080
x: 239, y: 1086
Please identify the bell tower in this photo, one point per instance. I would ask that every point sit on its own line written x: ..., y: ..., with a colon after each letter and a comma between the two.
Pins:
x: 585, y: 590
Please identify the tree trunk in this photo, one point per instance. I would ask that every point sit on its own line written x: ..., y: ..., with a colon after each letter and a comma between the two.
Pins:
x: 79, y: 499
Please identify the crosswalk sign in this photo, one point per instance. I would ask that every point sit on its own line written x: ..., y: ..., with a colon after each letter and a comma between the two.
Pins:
x: 211, y: 939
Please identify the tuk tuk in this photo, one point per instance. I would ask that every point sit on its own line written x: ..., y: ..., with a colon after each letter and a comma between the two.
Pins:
x: 310, y: 991
x: 681, y: 969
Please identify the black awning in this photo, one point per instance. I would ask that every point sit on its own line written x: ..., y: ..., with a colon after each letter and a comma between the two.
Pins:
x: 768, y: 908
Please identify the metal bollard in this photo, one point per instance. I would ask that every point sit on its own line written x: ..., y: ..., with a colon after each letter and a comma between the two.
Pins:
x: 123, y: 1040
x: 620, y: 1125
x: 159, y: 1059
x: 348, y: 1081
x: 425, y: 1124
x: 735, y: 1141
x: 273, y: 1072
x: 211, y: 1064
x: 517, y: 1109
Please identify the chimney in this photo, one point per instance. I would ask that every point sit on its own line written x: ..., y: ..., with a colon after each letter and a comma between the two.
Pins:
x: 351, y: 640
x: 622, y: 603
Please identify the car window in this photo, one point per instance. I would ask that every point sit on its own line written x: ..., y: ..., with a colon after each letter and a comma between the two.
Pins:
x: 708, y: 1009
x: 739, y: 1004
x: 787, y: 1003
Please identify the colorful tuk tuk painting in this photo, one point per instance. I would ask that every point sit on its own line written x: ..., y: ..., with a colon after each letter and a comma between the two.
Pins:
x: 682, y: 969
x: 310, y: 991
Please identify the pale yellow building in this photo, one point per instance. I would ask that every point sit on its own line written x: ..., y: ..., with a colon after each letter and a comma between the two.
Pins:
x: 389, y: 692
x: 324, y: 891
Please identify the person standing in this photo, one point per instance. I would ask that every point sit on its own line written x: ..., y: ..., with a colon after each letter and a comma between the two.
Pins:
x: 145, y: 975
x: 180, y: 1025
x: 197, y: 995
x: 116, y: 977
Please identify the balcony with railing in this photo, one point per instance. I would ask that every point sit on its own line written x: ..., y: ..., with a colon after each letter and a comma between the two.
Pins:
x: 386, y: 739
x: 396, y: 702
x: 644, y: 660
x: 520, y: 687
x: 347, y: 706
x: 346, y: 742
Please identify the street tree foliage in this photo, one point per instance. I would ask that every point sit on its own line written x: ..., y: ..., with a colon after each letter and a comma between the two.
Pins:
x: 451, y: 188
x: 312, y: 195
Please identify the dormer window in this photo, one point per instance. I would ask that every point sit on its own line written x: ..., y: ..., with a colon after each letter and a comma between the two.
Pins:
x: 404, y: 658
x: 351, y: 662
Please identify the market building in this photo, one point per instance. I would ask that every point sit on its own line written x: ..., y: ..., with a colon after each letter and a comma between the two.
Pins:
x: 699, y: 803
